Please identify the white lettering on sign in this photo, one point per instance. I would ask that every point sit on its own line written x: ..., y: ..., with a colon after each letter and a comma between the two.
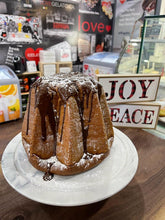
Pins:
x: 134, y: 115
x: 132, y: 88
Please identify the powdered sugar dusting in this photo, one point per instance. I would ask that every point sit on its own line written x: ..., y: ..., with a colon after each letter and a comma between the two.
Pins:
x: 110, y: 141
x: 67, y: 81
x: 60, y: 166
x: 53, y: 160
x: 27, y: 147
x: 56, y: 164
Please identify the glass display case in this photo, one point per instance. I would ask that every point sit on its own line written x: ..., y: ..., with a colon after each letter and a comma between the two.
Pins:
x: 152, y: 50
x: 128, y: 60
x: 152, y: 56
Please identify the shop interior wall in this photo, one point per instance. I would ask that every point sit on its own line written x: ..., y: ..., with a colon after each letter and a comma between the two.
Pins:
x: 29, y: 26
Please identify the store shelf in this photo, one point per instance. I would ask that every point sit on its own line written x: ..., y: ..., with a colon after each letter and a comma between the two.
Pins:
x: 151, y: 57
x: 24, y: 93
x: 28, y: 73
x: 26, y: 79
x: 154, y: 41
x: 58, y: 66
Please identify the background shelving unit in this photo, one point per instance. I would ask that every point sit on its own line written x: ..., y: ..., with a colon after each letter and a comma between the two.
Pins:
x: 26, y: 79
x: 57, y: 66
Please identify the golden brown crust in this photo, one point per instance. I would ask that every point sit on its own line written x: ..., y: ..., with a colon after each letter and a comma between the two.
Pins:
x: 44, y: 149
x: 70, y: 149
x: 97, y: 141
x: 106, y: 115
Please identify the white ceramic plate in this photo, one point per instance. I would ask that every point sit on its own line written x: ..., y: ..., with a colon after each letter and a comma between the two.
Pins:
x: 99, y: 183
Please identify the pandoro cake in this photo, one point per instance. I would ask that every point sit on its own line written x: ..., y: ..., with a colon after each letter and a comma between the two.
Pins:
x: 67, y: 127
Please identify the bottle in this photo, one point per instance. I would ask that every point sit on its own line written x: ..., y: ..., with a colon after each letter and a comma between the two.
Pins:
x: 17, y: 64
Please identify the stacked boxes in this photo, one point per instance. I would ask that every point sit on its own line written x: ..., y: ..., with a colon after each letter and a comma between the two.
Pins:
x: 56, y: 59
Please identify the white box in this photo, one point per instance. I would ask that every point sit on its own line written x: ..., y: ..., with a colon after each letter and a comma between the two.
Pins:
x: 63, y: 55
x: 65, y: 69
x: 31, y: 66
x: 49, y: 70
x: 47, y: 56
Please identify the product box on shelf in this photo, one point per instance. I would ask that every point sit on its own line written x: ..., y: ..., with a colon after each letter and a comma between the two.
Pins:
x: 10, y: 95
x: 49, y: 69
x: 65, y: 69
x: 63, y: 55
x: 47, y: 56
x: 26, y: 80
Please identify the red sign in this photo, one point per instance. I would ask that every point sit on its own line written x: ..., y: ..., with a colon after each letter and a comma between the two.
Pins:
x: 107, y: 4
x: 61, y: 26
x: 93, y: 26
x: 86, y: 66
x: 32, y: 54
x: 122, y: 1
x: 65, y: 55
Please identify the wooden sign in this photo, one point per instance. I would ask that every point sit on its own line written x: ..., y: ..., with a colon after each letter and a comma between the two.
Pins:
x: 139, y: 115
x: 121, y: 88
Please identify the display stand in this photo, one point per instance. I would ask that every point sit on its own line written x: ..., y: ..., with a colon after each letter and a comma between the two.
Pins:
x: 26, y: 79
x: 56, y: 66
x: 151, y: 58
